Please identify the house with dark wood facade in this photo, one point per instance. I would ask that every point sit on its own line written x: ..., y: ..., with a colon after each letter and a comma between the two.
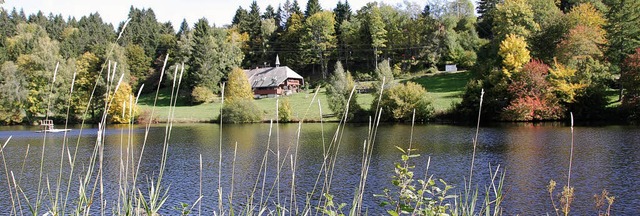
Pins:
x: 274, y: 81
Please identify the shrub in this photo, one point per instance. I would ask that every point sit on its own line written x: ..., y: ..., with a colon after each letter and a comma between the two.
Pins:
x: 202, y: 95
x: 284, y: 110
x: 399, y: 101
x: 241, y: 111
x: 467, y: 60
x: 146, y: 118
x: 531, y: 98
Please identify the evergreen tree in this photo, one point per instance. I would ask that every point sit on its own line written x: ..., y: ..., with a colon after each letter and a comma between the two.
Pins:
x: 291, y: 40
x: 338, y: 92
x: 485, y: 20
x: 143, y: 29
x: 55, y: 27
x: 184, y: 28
x: 313, y: 7
x: 214, y: 52
x: 623, y: 31
x: 138, y: 63
x: 295, y: 8
x: 254, y: 30
x: 200, y: 61
x: 269, y: 13
x: 279, y: 19
x: 343, y: 13
x: 240, y: 19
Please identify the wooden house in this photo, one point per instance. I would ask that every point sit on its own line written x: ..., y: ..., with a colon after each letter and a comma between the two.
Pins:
x: 274, y: 81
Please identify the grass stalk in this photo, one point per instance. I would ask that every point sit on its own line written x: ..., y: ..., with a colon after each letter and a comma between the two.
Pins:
x: 200, y: 191
x: 475, y: 139
x: 6, y: 172
x: 233, y: 173
x: 220, y: 207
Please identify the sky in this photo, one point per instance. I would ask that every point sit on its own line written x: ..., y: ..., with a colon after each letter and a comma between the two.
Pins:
x: 219, y: 12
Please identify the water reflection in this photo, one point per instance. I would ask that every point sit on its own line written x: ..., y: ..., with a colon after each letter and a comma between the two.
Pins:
x: 531, y: 154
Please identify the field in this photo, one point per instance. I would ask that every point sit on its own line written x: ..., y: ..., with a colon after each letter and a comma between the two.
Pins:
x: 443, y: 88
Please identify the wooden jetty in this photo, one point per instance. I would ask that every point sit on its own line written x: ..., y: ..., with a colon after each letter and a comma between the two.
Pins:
x: 47, y: 126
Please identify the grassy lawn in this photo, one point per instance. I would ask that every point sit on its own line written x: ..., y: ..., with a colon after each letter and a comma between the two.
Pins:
x: 443, y: 88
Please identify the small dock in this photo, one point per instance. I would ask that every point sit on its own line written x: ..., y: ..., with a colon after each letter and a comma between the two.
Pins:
x: 47, y: 126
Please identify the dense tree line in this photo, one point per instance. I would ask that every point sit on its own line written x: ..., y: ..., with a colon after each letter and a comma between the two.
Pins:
x: 547, y: 58
x: 42, y: 57
x: 537, y: 60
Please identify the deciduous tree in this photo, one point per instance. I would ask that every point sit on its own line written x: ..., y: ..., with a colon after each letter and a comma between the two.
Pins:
x: 320, y: 38
x: 514, y: 53
x: 237, y: 87
x: 513, y: 17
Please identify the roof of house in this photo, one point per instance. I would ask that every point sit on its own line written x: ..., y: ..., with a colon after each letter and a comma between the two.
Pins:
x: 270, y: 76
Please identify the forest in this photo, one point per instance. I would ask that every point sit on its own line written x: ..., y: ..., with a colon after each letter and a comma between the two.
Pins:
x: 534, y: 60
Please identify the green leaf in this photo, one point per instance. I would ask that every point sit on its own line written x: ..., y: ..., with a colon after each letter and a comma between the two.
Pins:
x: 401, y: 150
x: 392, y: 212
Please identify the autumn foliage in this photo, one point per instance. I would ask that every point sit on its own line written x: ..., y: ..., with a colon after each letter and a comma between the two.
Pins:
x: 122, y: 106
x: 631, y: 81
x: 532, y: 99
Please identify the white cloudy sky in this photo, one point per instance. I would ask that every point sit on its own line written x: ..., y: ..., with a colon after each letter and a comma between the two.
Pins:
x: 219, y: 12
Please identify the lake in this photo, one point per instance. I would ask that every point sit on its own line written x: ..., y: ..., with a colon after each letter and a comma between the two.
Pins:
x: 605, y: 157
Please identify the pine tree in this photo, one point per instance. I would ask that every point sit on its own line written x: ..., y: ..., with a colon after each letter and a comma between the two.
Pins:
x: 623, y: 31
x: 279, y: 18
x: 338, y: 91
x: 201, y: 67
x: 269, y: 13
x: 184, y: 28
x: 485, y: 20
x: 295, y: 7
x: 313, y: 7
x: 343, y: 13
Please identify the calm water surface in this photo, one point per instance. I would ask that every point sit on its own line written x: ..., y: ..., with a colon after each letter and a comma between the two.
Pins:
x: 532, y: 155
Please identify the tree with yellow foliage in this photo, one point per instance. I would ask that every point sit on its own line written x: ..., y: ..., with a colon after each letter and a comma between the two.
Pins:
x: 238, y: 104
x: 122, y: 107
x: 514, y: 53
x: 237, y: 87
x: 566, y: 84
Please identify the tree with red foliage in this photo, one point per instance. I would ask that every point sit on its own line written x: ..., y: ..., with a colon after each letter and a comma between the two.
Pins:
x: 532, y: 99
x: 631, y: 81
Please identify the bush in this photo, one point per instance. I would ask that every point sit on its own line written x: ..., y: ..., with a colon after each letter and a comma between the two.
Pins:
x: 241, y: 111
x: 531, y: 98
x: 284, y: 110
x: 202, y: 95
x: 399, y: 102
